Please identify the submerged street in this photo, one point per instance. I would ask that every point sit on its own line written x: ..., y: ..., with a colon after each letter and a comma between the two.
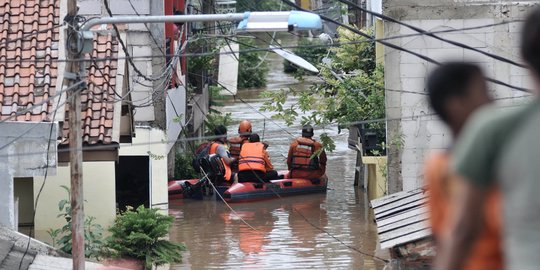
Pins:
x: 287, y: 233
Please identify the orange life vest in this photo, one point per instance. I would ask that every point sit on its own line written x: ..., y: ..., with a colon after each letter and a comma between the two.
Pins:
x: 235, y: 146
x: 228, y: 172
x: 302, y: 155
x: 213, y: 148
x: 252, y: 157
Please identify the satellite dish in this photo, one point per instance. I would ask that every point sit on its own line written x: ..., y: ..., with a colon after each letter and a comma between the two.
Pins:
x: 293, y: 58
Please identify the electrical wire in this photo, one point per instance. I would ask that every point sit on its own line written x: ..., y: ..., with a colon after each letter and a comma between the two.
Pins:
x: 424, y: 32
x: 396, y: 47
x: 34, y: 211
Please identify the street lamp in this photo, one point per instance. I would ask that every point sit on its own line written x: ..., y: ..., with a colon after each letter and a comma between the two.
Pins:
x: 249, y: 22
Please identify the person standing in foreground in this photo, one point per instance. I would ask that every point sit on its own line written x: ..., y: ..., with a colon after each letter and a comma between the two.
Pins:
x: 455, y: 91
x: 235, y: 143
x: 254, y: 164
x: 501, y: 145
x: 306, y: 158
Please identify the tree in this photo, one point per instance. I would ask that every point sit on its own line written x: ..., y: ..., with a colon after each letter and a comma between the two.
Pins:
x: 352, y: 90
x: 252, y: 69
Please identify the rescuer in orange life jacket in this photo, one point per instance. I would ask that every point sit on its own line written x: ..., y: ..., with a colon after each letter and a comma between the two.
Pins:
x: 218, y: 147
x: 235, y: 143
x: 301, y: 161
x: 254, y: 164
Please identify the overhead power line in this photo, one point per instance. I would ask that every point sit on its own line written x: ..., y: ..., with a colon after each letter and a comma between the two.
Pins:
x: 396, y: 47
x: 424, y: 32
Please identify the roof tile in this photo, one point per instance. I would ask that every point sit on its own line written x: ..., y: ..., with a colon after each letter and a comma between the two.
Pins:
x: 25, y: 84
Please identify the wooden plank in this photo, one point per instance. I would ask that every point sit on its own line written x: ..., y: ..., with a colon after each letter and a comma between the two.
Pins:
x: 397, y: 218
x: 394, y: 197
x: 391, y: 205
x: 406, y: 239
x: 401, y: 232
x: 402, y: 208
x: 420, y: 219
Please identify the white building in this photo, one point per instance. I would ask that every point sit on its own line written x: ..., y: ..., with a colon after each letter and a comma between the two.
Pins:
x: 409, y: 116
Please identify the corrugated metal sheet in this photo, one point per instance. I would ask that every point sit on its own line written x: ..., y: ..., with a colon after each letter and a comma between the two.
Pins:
x: 401, y: 218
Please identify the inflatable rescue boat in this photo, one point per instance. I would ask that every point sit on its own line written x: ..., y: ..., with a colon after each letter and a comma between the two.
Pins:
x: 246, y: 192
x: 250, y: 191
x: 242, y: 192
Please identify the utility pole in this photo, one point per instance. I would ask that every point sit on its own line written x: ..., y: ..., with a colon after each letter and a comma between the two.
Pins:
x: 75, y: 72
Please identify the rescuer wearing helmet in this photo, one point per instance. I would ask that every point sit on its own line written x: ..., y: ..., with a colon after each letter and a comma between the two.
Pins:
x: 235, y: 143
x: 254, y: 164
x: 306, y: 158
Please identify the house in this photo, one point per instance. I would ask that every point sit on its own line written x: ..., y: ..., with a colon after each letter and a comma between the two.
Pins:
x: 126, y: 119
x: 409, y: 116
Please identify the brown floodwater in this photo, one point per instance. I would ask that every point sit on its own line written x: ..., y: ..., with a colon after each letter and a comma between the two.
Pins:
x: 287, y: 233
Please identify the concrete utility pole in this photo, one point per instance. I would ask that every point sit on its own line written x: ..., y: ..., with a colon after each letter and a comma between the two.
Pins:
x: 75, y: 72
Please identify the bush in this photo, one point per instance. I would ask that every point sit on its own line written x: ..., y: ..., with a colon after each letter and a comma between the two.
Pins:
x: 183, y: 168
x: 139, y: 234
x: 93, y: 232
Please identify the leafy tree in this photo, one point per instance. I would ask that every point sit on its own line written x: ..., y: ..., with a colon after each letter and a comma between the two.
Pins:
x: 139, y: 234
x: 252, y: 70
x: 353, y: 90
x: 260, y: 5
x: 313, y: 55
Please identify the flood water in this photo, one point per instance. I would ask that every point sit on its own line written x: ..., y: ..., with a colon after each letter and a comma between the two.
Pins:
x: 290, y: 233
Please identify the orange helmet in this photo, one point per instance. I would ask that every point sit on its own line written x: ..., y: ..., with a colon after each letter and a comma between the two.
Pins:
x: 244, y: 128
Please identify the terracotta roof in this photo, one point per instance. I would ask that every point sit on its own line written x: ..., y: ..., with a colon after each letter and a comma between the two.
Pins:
x: 98, y: 99
x: 25, y: 83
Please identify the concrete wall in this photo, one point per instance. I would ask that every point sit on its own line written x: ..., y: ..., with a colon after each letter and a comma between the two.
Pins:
x: 148, y: 142
x: 99, y: 194
x: 410, y: 117
x: 140, y: 43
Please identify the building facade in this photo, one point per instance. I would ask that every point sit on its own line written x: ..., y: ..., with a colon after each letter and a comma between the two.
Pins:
x: 412, y: 128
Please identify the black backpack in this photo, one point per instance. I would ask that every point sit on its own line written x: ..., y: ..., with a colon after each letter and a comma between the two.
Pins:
x: 202, y: 152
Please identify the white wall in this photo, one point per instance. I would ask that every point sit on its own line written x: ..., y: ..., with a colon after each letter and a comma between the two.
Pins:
x: 423, y: 132
x: 99, y: 194
x: 152, y: 140
x: 175, y: 105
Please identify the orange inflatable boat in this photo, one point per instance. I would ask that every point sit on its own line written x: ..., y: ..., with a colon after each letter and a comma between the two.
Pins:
x: 246, y: 192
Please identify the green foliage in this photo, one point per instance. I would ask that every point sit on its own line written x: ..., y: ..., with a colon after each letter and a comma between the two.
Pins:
x: 200, y: 44
x: 260, y: 5
x: 216, y: 98
x: 251, y: 71
x: 313, y: 55
x: 353, y: 90
x: 92, y: 232
x: 183, y: 168
x: 139, y: 234
x: 215, y: 119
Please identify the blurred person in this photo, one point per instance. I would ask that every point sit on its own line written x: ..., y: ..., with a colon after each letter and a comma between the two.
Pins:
x: 254, y: 163
x: 235, y: 143
x: 306, y: 158
x: 500, y: 146
x: 455, y: 91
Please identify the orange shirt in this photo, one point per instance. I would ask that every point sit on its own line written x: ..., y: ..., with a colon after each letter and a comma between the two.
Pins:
x: 486, y: 252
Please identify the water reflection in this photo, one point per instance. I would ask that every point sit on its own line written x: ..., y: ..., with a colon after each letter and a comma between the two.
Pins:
x: 288, y: 233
